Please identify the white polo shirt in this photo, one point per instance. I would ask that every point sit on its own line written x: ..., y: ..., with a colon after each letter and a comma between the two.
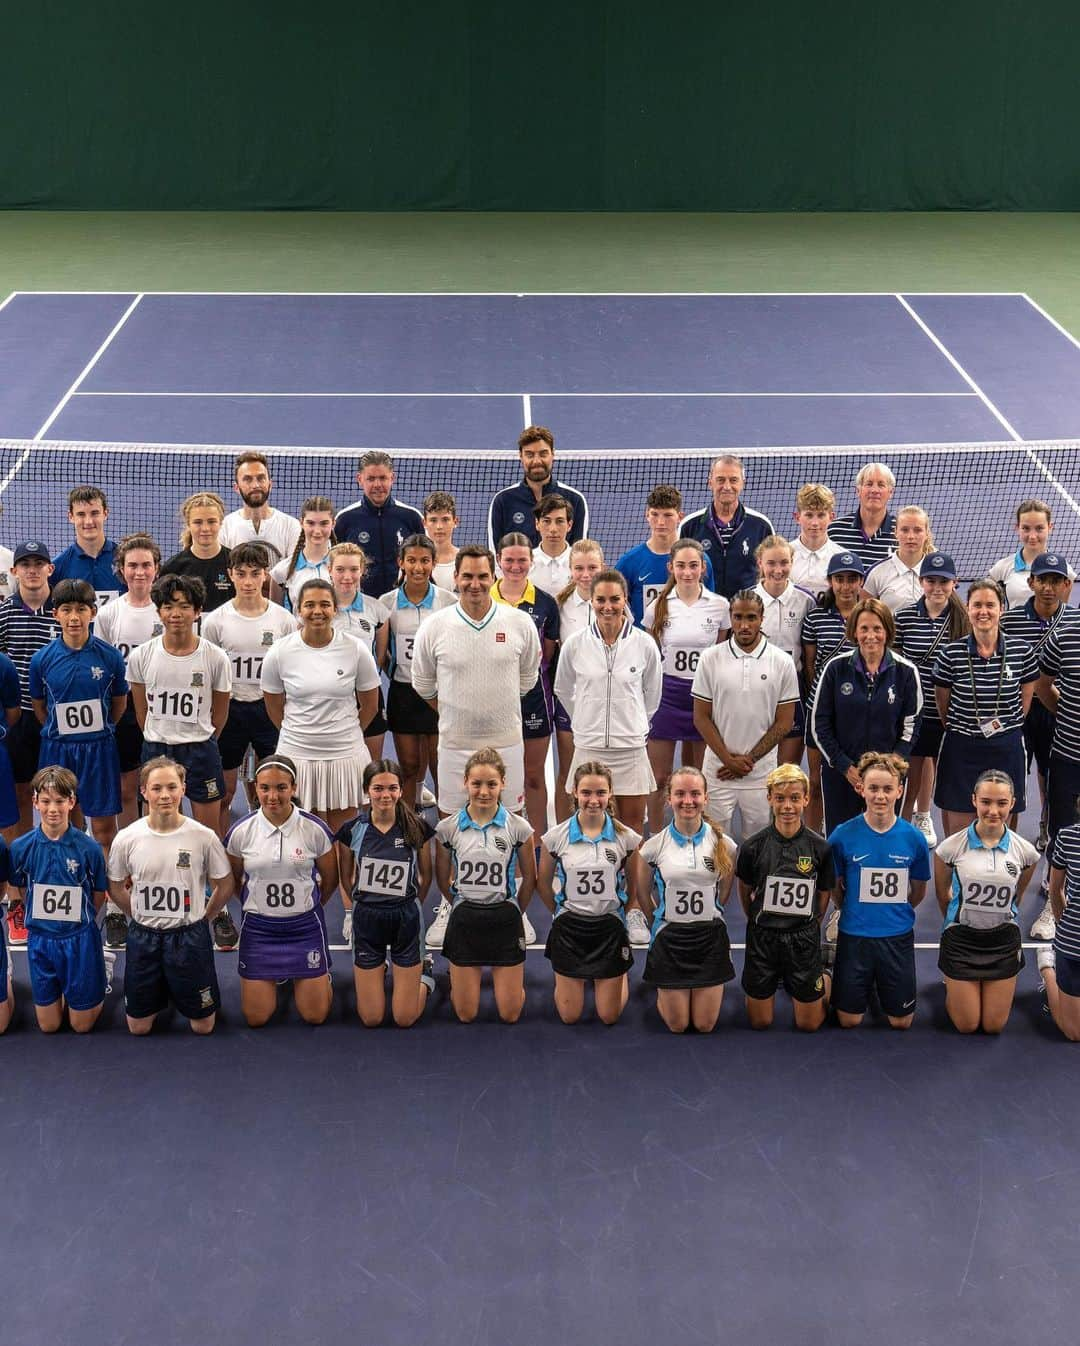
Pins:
x: 280, y: 878
x: 550, y: 573
x: 246, y: 640
x: 746, y: 687
x: 169, y: 871
x: 784, y: 617
x: 894, y: 583
x: 279, y: 533
x: 179, y: 689
x: 689, y: 629
x: 808, y: 568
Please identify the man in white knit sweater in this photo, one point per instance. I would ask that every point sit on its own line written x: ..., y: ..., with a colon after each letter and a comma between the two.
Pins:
x: 473, y: 663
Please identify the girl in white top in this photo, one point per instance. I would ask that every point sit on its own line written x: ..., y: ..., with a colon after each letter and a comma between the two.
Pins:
x: 684, y: 619
x: 1034, y: 524
x: 366, y: 618
x: 284, y: 865
x: 609, y: 679
x: 126, y: 622
x: 309, y: 560
x: 684, y: 874
x: 321, y: 688
x: 786, y: 606
x: 575, y: 608
x: 896, y: 581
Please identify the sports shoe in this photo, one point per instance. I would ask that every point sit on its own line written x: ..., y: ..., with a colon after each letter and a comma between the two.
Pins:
x: 1045, y: 926
x: 1045, y: 957
x: 427, y: 973
x: 925, y: 825
x: 1043, y: 839
x: 226, y: 935
x: 115, y: 930
x: 831, y: 929
x: 436, y: 931
x: 638, y: 927
x: 346, y: 927
x: 16, y: 923
x: 427, y: 799
x: 527, y: 926
x: 110, y: 964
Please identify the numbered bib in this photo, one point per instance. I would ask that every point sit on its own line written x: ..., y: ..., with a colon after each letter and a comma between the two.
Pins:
x: 276, y: 897
x: 681, y: 663
x: 985, y: 905
x: 386, y: 879
x: 246, y: 669
x: 106, y: 596
x: 650, y: 593
x: 49, y: 902
x: 591, y: 889
x: 481, y: 880
x: 684, y: 903
x: 785, y: 896
x: 166, y: 902
x: 403, y: 651
x: 169, y: 703
x: 883, y: 885
x: 79, y: 717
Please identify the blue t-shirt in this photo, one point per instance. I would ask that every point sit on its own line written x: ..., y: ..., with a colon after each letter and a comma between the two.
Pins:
x: 75, y: 564
x: 877, y: 869
x: 58, y: 877
x: 386, y: 866
x: 646, y: 573
x: 78, y: 687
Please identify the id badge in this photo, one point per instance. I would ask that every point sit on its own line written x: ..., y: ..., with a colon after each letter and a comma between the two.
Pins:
x: 991, y: 727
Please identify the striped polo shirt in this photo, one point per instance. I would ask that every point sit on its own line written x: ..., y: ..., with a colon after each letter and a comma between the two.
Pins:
x: 919, y: 637
x: 1025, y: 623
x: 1059, y: 659
x: 824, y: 629
x: 24, y: 631
x: 870, y: 548
x: 983, y: 689
x: 1065, y: 854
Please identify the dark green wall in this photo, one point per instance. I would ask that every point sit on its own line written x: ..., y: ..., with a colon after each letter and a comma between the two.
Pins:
x: 551, y: 105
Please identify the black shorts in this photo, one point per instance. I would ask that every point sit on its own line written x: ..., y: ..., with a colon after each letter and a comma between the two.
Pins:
x: 791, y: 956
x: 683, y: 957
x: 536, y: 718
x: 886, y: 962
x: 967, y: 954
x: 589, y: 948
x: 129, y: 740
x: 174, y: 965
x: 248, y: 725
x: 23, y: 744
x: 378, y: 725
x: 407, y: 713
x: 205, y: 780
x: 485, y: 935
x: 379, y: 926
x: 1038, y: 735
x: 928, y: 738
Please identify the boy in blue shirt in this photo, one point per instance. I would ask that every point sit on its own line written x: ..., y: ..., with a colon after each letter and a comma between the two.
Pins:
x: 645, y: 567
x: 882, y: 869
x: 79, y: 689
x: 61, y: 874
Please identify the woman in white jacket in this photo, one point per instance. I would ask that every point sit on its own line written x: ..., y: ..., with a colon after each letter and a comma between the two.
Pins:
x: 609, y: 679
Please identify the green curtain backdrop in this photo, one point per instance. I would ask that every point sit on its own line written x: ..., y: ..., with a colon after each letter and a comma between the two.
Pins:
x: 594, y: 105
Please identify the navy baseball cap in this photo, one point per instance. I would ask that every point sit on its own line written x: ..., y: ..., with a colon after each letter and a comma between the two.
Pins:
x: 845, y: 563
x: 937, y: 565
x: 31, y: 551
x: 1050, y: 563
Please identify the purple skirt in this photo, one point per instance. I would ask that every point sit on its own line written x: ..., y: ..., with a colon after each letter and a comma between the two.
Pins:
x: 674, y: 718
x: 283, y: 948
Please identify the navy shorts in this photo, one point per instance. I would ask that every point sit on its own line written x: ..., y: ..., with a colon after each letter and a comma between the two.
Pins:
x: 928, y: 738
x: 3, y: 962
x: 9, y: 807
x: 69, y: 965
x: 23, y: 744
x: 1068, y: 973
x: 129, y: 740
x: 174, y: 965
x: 1038, y: 735
x: 397, y: 926
x: 1062, y: 793
x: 248, y: 724
x: 562, y: 718
x: 884, y: 962
x: 536, y: 713
x: 96, y: 765
x: 201, y: 761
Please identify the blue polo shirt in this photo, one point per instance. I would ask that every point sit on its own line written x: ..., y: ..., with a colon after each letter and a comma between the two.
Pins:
x: 73, y: 861
x: 75, y: 564
x: 74, y: 684
x: 877, y: 869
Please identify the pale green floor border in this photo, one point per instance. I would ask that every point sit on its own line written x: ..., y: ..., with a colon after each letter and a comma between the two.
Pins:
x: 1036, y: 253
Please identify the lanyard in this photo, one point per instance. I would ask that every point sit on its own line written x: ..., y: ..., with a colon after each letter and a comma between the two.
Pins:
x: 937, y: 639
x: 975, y: 690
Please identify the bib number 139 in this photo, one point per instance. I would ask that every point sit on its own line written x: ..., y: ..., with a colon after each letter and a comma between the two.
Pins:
x: 785, y: 896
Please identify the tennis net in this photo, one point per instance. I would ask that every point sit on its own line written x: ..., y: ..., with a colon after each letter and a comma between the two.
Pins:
x: 970, y: 491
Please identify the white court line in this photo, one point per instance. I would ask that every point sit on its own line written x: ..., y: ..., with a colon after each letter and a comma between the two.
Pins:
x: 1052, y: 321
x: 526, y: 410
x: 92, y: 362
x: 533, y: 294
x: 525, y: 397
x: 958, y: 367
x: 8, y: 300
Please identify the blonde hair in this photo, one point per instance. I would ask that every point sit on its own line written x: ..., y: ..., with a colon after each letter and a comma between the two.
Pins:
x: 928, y: 542
x: 891, y: 762
x: 200, y: 500
x: 346, y: 549
x: 815, y: 496
x: 774, y: 542
x: 585, y: 546
x: 486, y: 757
x: 788, y: 774
x: 721, y: 855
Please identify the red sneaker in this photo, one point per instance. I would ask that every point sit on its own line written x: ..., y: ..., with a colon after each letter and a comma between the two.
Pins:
x: 16, y: 923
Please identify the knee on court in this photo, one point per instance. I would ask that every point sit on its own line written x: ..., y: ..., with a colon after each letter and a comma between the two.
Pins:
x: 203, y: 1027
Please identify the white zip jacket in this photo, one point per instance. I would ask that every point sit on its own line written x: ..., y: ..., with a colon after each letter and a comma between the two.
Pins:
x: 610, y: 692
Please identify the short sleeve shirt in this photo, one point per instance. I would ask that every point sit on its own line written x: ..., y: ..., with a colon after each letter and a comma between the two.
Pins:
x: 786, y: 875
x: 386, y: 865
x: 982, y: 893
x: 280, y: 877
x: 484, y: 855
x: 877, y: 869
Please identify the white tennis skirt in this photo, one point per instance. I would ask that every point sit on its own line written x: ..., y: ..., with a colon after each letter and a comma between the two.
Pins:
x: 631, y: 773
x: 334, y: 783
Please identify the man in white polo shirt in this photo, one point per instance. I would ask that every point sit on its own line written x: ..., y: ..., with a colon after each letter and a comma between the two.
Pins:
x: 473, y: 663
x: 744, y: 693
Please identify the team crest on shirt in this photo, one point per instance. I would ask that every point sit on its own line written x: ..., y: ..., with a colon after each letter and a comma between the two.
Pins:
x: 96, y: 673
x: 709, y: 863
x: 1011, y: 869
x: 73, y: 866
x: 183, y: 860
x: 805, y: 864
x: 399, y: 843
x: 196, y: 679
x: 206, y: 998
x: 156, y: 629
x: 268, y: 637
x: 846, y: 688
x: 892, y: 695
x: 518, y: 518
x: 499, y: 843
x: 363, y: 537
x: 298, y: 854
x: 314, y: 958
x: 610, y: 856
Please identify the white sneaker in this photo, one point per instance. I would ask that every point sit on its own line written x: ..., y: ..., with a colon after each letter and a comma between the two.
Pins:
x: 925, y: 824
x: 638, y: 927
x: 832, y: 927
x: 1045, y: 958
x: 427, y: 799
x: 436, y: 931
x: 346, y: 928
x: 530, y: 933
x: 110, y: 965
x: 1045, y: 927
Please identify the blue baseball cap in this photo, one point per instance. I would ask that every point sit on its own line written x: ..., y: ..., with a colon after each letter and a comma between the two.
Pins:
x: 937, y: 565
x: 845, y: 563
x: 1050, y: 563
x: 31, y: 551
